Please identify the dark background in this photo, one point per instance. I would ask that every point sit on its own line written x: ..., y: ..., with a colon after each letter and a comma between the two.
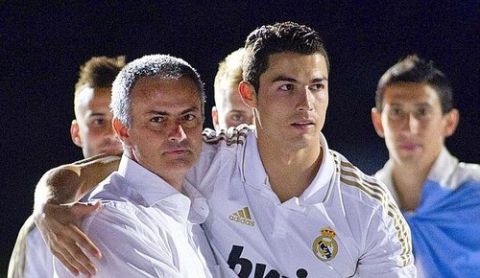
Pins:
x: 42, y: 46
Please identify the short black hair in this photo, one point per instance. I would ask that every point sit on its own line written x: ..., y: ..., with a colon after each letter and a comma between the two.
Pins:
x: 413, y: 69
x: 279, y: 37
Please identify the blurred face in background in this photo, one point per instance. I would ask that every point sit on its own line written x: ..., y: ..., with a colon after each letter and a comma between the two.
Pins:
x: 230, y: 110
x: 92, y: 129
x: 412, y: 123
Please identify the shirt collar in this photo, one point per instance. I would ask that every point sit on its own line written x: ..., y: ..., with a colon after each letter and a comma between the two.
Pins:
x: 155, y: 190
x: 254, y: 173
x: 317, y: 190
x: 441, y: 171
x: 252, y: 168
x: 443, y: 168
x: 150, y: 186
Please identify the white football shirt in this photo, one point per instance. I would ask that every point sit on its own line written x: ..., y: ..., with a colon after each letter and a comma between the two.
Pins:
x: 345, y: 224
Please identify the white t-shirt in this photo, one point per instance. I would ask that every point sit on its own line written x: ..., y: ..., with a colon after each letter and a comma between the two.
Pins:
x: 345, y: 224
x: 146, y: 228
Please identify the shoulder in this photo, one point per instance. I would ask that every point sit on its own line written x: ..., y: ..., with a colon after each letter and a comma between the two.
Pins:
x: 467, y: 172
x: 114, y: 188
x: 233, y: 135
x: 221, y: 151
x: 365, y: 188
x: 370, y: 195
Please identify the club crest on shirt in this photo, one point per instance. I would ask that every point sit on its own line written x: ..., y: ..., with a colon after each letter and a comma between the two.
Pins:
x: 325, y: 246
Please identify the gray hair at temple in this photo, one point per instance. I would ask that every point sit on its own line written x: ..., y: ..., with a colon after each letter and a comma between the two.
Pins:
x: 164, y: 66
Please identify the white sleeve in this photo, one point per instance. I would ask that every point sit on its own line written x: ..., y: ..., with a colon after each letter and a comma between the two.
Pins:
x: 388, y: 249
x: 129, y: 248
x: 207, y: 166
x: 38, y: 259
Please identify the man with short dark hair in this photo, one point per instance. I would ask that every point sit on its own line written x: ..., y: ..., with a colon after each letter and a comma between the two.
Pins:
x: 439, y: 196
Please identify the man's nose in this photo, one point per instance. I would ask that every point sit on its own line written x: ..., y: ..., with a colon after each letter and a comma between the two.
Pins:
x: 412, y: 123
x: 177, y: 133
x: 305, y: 101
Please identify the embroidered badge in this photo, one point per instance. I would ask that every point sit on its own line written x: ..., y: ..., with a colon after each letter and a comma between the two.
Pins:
x: 325, y: 246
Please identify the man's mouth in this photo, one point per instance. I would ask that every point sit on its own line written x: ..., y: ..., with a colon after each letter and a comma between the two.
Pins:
x: 409, y: 146
x: 177, y: 151
x: 303, y: 124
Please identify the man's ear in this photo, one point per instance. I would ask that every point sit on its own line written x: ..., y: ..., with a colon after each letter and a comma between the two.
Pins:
x: 377, y: 122
x: 452, y: 118
x: 247, y: 92
x: 120, y: 130
x: 75, y: 133
x: 215, y: 118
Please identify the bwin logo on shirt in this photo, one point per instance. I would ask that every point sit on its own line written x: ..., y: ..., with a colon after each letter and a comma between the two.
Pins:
x: 246, y: 266
x: 242, y: 216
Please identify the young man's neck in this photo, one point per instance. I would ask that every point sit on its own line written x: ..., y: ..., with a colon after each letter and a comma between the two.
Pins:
x: 289, y: 171
x: 408, y: 180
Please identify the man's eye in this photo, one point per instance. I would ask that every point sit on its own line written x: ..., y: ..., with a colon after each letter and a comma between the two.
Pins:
x: 236, y: 117
x: 189, y: 117
x: 317, y: 87
x: 422, y: 112
x: 286, y: 87
x: 157, y: 119
x: 98, y: 122
x: 396, y: 113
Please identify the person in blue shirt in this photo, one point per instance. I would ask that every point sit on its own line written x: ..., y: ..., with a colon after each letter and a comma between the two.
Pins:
x: 438, y: 195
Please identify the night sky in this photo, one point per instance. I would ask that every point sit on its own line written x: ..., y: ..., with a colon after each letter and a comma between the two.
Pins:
x: 42, y: 46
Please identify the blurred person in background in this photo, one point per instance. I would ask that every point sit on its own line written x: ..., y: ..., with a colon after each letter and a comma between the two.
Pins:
x: 91, y: 130
x: 229, y: 109
x: 438, y: 195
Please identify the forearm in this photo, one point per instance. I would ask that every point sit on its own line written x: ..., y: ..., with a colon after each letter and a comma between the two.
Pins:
x: 69, y: 183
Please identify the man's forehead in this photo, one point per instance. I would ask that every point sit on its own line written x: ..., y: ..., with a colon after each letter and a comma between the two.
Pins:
x: 290, y: 63
x: 410, y: 92
x: 88, y: 95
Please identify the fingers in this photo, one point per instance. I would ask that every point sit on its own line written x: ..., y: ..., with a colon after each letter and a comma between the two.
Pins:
x: 66, y: 263
x: 66, y: 240
x: 70, y: 253
x: 84, y: 242
x: 74, y: 266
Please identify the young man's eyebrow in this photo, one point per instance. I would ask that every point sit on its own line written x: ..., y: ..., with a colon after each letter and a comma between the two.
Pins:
x: 284, y: 78
x: 293, y: 80
x: 320, y: 79
x: 423, y: 104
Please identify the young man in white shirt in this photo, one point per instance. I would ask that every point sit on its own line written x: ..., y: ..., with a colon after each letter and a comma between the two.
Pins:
x: 92, y: 131
x: 439, y: 196
x: 281, y: 203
